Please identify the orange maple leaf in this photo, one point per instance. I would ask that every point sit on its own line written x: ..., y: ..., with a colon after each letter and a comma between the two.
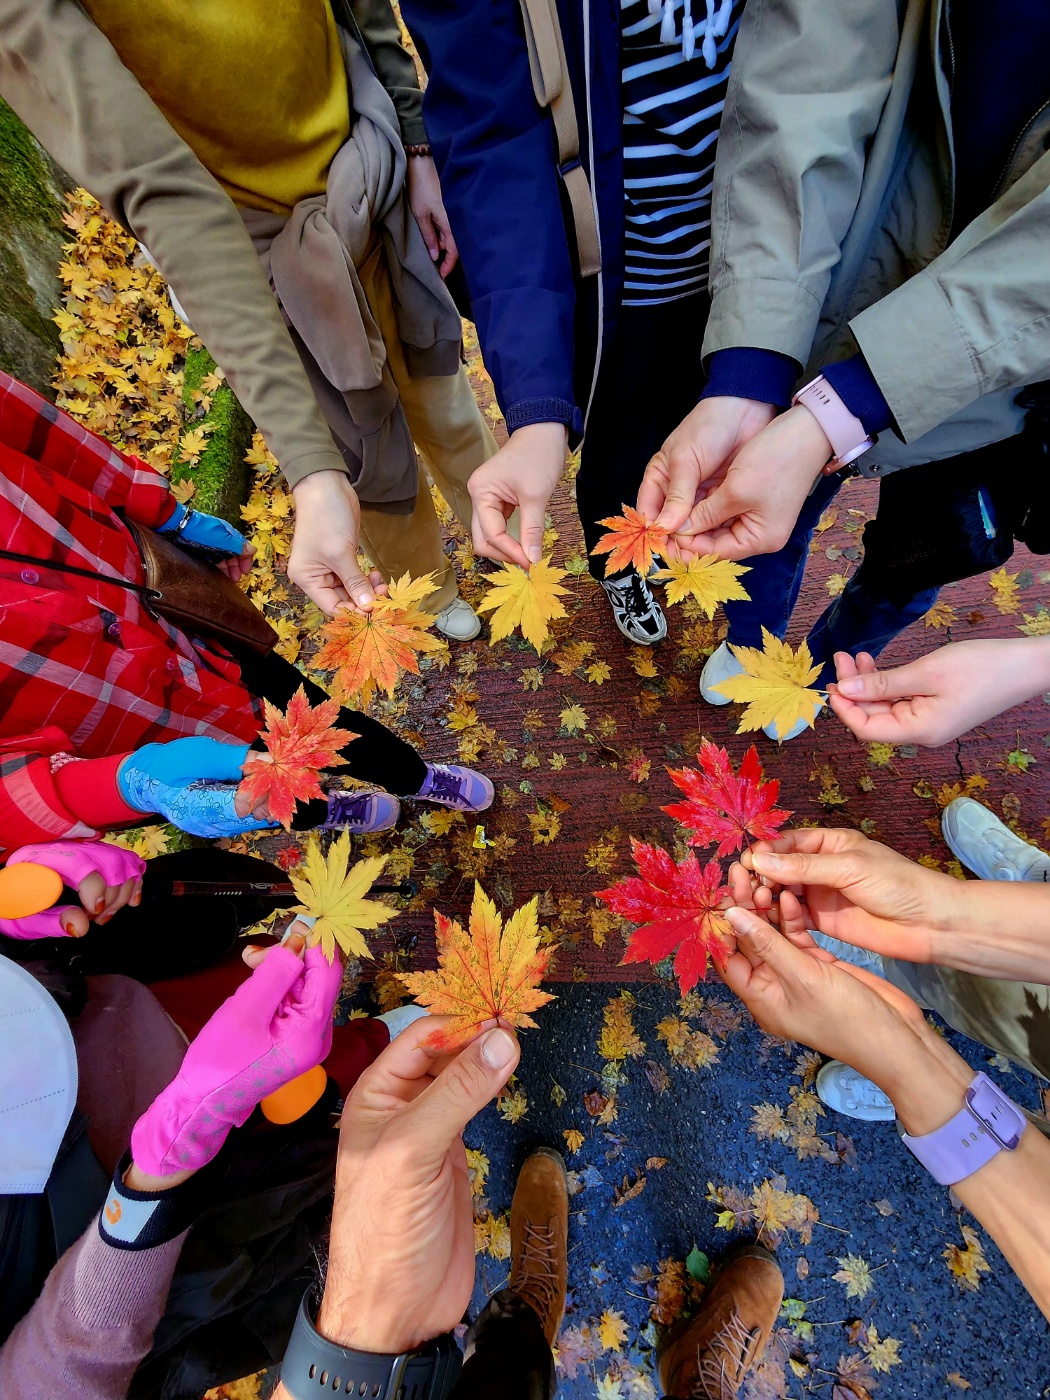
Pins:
x: 631, y: 540
x: 373, y: 651
x: 301, y: 742
x: 490, y: 972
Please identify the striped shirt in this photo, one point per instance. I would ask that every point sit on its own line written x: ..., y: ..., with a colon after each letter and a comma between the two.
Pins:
x: 672, y: 107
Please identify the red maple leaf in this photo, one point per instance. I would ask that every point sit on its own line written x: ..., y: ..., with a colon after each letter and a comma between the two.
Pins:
x: 724, y: 806
x: 631, y: 541
x: 301, y: 742
x: 678, y: 908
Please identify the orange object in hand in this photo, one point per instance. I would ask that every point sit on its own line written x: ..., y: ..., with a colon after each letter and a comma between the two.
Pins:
x: 27, y: 889
x: 296, y: 1098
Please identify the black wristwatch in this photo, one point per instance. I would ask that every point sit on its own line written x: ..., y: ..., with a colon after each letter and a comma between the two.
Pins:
x: 313, y: 1366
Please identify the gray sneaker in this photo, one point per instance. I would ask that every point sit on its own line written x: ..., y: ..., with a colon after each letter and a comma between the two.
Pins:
x: 981, y: 842
x: 848, y: 1092
x: 636, y: 612
x: 849, y: 952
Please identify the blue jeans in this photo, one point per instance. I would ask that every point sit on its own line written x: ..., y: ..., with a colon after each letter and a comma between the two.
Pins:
x: 861, y: 618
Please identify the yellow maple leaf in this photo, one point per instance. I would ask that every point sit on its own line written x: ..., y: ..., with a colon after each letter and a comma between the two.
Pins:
x: 193, y: 443
x: 334, y: 897
x: 855, y: 1273
x: 574, y: 1140
x: 573, y: 718
x: 491, y: 971
x: 775, y: 685
x: 598, y: 672
x: 707, y: 579
x: 618, y: 1039
x: 612, y: 1330
x: 526, y: 600
x: 882, y: 1352
x: 940, y: 615
x: 1004, y: 591
x: 968, y: 1263
x: 145, y: 841
x: 184, y: 491
x: 373, y: 651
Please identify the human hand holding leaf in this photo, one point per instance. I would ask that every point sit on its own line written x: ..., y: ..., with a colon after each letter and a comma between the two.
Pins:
x: 775, y: 684
x: 707, y: 578
x: 490, y: 973
x: 334, y: 897
x: 300, y: 742
x: 630, y: 542
x: 724, y: 806
x: 679, y: 907
x: 374, y: 650
x: 526, y: 600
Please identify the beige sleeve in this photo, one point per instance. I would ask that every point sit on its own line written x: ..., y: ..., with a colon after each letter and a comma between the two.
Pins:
x: 64, y: 79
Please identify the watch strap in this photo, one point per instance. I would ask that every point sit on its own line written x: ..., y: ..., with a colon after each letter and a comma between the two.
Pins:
x: 843, y: 429
x: 988, y: 1123
x: 314, y: 1366
x: 142, y: 1219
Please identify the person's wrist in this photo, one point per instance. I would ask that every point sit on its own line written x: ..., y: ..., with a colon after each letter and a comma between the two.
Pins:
x: 360, y: 1322
x: 814, y: 446
x: 149, y: 1184
x: 923, y: 1078
x: 554, y: 434
x: 319, y: 485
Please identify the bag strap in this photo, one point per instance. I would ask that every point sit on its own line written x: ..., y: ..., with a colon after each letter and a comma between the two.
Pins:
x: 551, y: 85
x: 93, y: 574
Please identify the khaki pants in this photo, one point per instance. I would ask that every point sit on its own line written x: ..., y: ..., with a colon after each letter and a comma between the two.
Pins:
x: 452, y: 439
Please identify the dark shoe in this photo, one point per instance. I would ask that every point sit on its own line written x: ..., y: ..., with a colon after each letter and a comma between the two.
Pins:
x: 710, y: 1356
x: 636, y: 612
x: 539, y: 1238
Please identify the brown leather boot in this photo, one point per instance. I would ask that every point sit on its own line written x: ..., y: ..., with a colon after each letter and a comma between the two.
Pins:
x: 710, y: 1356
x: 539, y: 1237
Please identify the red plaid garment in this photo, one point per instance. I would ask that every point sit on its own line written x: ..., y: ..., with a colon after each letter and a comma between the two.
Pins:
x: 79, y: 657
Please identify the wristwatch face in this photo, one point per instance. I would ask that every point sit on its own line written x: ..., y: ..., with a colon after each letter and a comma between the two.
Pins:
x: 996, y: 1112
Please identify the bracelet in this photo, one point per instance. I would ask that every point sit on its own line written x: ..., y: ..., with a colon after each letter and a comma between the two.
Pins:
x: 421, y: 148
x: 136, y: 1220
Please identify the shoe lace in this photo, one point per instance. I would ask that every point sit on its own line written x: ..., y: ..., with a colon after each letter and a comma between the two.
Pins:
x: 864, y: 1091
x: 724, y: 1362
x: 535, y: 1273
x: 445, y: 784
x: 352, y: 807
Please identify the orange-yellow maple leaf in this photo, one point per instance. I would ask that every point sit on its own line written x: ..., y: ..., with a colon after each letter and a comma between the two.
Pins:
x: 373, y: 651
x: 301, y: 742
x: 490, y: 972
x: 631, y: 541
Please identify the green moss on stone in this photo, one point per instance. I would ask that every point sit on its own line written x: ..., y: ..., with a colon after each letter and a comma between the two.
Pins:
x: 27, y: 190
x: 220, y: 476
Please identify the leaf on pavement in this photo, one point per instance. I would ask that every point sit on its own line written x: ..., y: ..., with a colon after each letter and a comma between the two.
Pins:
x: 612, y: 1330
x: 491, y: 971
x: 724, y: 806
x: 707, y: 578
x: 968, y: 1263
x: 526, y: 600
x: 334, y: 896
x: 301, y: 742
x: 775, y: 685
x: 374, y: 650
x: 855, y: 1273
x: 630, y: 542
x: 677, y: 907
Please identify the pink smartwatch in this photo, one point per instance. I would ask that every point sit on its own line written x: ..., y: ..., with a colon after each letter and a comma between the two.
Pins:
x: 988, y: 1123
x: 843, y: 429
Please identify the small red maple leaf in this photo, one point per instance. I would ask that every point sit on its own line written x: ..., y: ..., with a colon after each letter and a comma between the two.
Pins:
x: 300, y: 743
x: 724, y: 806
x: 631, y: 541
x: 678, y: 908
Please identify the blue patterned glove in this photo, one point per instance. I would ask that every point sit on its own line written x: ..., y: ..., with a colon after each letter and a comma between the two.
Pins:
x: 192, y: 783
x: 204, y: 534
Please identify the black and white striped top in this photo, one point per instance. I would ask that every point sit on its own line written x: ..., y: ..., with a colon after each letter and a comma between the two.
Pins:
x: 672, y: 106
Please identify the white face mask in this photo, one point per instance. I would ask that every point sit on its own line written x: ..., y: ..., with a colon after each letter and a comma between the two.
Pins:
x: 38, y: 1081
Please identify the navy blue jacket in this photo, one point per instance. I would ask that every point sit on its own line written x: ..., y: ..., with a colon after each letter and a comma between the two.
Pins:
x: 540, y: 325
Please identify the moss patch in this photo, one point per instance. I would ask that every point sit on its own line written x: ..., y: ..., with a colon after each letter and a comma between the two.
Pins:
x: 221, y: 475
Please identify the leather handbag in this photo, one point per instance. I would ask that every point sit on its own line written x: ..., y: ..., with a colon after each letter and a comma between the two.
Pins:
x: 191, y: 594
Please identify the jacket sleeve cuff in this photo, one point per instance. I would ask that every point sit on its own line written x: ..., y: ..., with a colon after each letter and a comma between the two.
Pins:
x: 309, y: 463
x: 88, y: 788
x: 745, y: 372
x: 856, y: 386
x: 528, y: 411
x: 413, y: 132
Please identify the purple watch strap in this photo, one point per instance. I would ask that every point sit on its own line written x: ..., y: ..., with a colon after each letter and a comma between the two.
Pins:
x: 988, y: 1123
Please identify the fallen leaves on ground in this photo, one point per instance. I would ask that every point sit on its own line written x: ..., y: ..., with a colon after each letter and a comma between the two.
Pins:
x: 301, y: 742
x: 492, y: 971
x: 630, y: 542
x: 770, y: 1209
x: 372, y: 651
x: 334, y: 896
x: 855, y: 1273
x: 776, y: 685
x: 1004, y: 591
x: 527, y: 600
x: 677, y: 907
x: 967, y: 1263
x: 707, y: 579
x: 724, y: 806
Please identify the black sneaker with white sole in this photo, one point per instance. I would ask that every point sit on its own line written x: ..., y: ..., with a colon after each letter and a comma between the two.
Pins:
x: 637, y: 613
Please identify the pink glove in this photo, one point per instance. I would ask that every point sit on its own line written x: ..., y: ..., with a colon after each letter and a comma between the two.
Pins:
x: 277, y: 1025
x: 74, y: 861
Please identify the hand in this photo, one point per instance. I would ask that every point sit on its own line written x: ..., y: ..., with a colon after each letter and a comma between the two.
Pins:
x: 695, y: 457
x: 428, y: 209
x: 194, y: 784
x: 522, y: 474
x: 277, y: 1025
x: 323, y: 561
x: 401, y: 1262
x: 240, y: 565
x: 941, y: 695
x: 105, y: 877
x: 217, y: 540
x: 753, y: 509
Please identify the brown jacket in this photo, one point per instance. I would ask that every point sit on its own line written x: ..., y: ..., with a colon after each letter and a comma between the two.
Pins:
x: 64, y: 79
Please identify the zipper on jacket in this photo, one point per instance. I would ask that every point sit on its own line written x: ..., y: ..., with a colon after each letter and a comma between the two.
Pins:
x: 997, y: 190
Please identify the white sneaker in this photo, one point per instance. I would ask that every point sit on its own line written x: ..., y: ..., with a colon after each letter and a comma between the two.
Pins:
x: 848, y: 1092
x: 978, y: 839
x: 459, y: 621
x: 720, y: 666
x: 401, y: 1018
x: 636, y: 612
x: 849, y: 953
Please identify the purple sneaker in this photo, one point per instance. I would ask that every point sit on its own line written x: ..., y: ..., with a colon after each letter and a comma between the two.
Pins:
x: 361, y: 810
x: 462, y: 789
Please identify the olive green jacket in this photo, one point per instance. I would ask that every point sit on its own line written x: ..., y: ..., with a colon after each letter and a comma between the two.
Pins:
x: 832, y: 212
x: 62, y: 76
